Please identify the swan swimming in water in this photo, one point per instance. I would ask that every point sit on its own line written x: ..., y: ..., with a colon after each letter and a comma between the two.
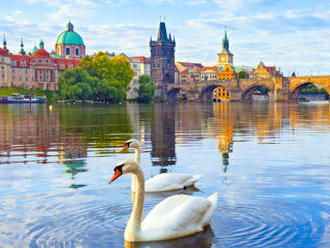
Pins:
x: 164, y: 181
x: 174, y: 217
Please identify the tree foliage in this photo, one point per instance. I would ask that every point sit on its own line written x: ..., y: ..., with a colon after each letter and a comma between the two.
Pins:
x: 146, y: 89
x: 242, y: 74
x: 98, y: 77
x: 312, y: 89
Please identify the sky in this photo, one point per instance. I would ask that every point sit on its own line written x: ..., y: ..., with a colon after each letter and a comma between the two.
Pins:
x: 291, y: 34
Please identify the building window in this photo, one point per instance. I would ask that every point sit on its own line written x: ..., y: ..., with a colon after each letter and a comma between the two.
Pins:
x: 47, y: 76
x: 134, y: 65
x: 70, y: 66
x: 67, y: 51
x: 77, y: 51
x: 62, y: 67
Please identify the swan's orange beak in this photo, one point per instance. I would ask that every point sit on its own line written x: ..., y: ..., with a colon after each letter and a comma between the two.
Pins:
x: 124, y: 148
x: 117, y: 174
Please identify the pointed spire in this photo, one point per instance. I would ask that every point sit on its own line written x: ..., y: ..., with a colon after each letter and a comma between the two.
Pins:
x: 162, y: 35
x: 41, y: 44
x: 5, y: 43
x: 225, y: 43
x: 170, y: 37
x: 22, y: 52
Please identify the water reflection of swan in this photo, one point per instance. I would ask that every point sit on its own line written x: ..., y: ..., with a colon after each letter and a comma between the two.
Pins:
x: 176, y: 216
x: 164, y: 181
x: 200, y: 240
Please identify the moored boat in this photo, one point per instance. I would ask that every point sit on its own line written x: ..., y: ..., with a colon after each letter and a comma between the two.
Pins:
x: 16, y: 98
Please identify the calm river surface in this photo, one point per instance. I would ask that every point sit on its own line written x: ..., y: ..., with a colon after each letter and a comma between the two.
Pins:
x: 269, y: 163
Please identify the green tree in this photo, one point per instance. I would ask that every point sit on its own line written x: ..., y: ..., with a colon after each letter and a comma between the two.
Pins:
x: 97, y: 78
x: 146, y: 89
x: 242, y: 74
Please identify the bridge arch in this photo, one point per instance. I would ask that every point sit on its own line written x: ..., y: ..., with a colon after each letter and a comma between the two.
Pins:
x: 174, y: 94
x: 248, y: 92
x: 297, y: 86
x: 206, y: 94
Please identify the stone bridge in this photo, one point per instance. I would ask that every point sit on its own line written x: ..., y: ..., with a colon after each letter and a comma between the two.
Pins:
x: 280, y: 88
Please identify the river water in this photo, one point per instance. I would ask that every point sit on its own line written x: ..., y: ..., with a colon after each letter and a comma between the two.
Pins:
x: 270, y: 164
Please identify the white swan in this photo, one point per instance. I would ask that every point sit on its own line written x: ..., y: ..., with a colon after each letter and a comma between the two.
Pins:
x: 176, y: 216
x: 164, y: 181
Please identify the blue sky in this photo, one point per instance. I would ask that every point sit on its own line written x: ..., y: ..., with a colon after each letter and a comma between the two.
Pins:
x: 292, y: 34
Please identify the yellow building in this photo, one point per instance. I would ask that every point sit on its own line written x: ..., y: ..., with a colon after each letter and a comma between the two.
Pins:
x: 225, y: 57
x: 220, y: 94
x: 226, y: 72
x: 265, y: 71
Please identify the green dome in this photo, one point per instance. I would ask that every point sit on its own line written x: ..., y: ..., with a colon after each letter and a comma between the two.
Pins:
x: 69, y: 37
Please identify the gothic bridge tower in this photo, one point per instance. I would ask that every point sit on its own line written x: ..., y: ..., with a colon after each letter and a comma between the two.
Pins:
x: 162, y: 61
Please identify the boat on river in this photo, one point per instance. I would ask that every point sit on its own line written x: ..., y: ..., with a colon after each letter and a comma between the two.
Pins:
x: 27, y: 98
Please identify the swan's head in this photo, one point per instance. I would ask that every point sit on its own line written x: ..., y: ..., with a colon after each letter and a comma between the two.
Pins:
x: 124, y: 167
x: 132, y: 143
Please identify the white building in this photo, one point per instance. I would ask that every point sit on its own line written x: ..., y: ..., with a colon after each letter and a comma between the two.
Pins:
x: 141, y: 66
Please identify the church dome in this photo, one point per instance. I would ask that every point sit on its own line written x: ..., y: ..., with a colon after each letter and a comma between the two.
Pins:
x: 69, y: 37
x: 41, y: 53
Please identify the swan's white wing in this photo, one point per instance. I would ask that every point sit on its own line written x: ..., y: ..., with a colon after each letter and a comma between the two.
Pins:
x: 176, y: 216
x: 170, y: 181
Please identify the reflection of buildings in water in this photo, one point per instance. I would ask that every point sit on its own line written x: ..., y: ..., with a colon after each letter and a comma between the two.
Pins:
x: 75, y: 166
x: 224, y: 133
x: 34, y: 130
x: 28, y: 128
x: 141, y: 115
x: 163, y: 135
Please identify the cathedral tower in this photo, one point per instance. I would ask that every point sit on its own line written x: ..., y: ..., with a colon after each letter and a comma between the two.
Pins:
x: 162, y: 58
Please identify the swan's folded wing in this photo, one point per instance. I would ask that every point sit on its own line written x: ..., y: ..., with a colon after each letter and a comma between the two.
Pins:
x: 176, y: 216
x: 166, y: 182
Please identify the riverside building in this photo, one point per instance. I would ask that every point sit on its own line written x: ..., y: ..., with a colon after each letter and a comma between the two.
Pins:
x: 39, y: 68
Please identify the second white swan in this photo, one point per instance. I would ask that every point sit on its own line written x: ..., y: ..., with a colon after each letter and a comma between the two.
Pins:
x: 164, y: 181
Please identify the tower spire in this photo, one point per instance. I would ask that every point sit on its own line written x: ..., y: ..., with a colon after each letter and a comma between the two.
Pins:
x: 22, y: 52
x: 225, y: 43
x: 5, y: 43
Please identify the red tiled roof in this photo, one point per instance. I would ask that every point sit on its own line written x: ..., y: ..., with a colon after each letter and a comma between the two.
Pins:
x: 18, y: 59
x: 214, y: 68
x: 3, y: 52
x: 142, y: 59
x: 41, y: 53
x: 66, y: 63
x: 271, y: 69
x: 189, y: 64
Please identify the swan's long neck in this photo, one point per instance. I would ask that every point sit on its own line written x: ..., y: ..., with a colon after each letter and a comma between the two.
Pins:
x: 138, y: 155
x: 134, y: 224
x: 137, y: 159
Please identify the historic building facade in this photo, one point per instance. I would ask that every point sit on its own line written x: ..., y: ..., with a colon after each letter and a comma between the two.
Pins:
x: 39, y: 68
x: 226, y: 72
x: 5, y: 66
x: 140, y: 66
x: 209, y: 73
x: 263, y: 71
x: 162, y: 58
